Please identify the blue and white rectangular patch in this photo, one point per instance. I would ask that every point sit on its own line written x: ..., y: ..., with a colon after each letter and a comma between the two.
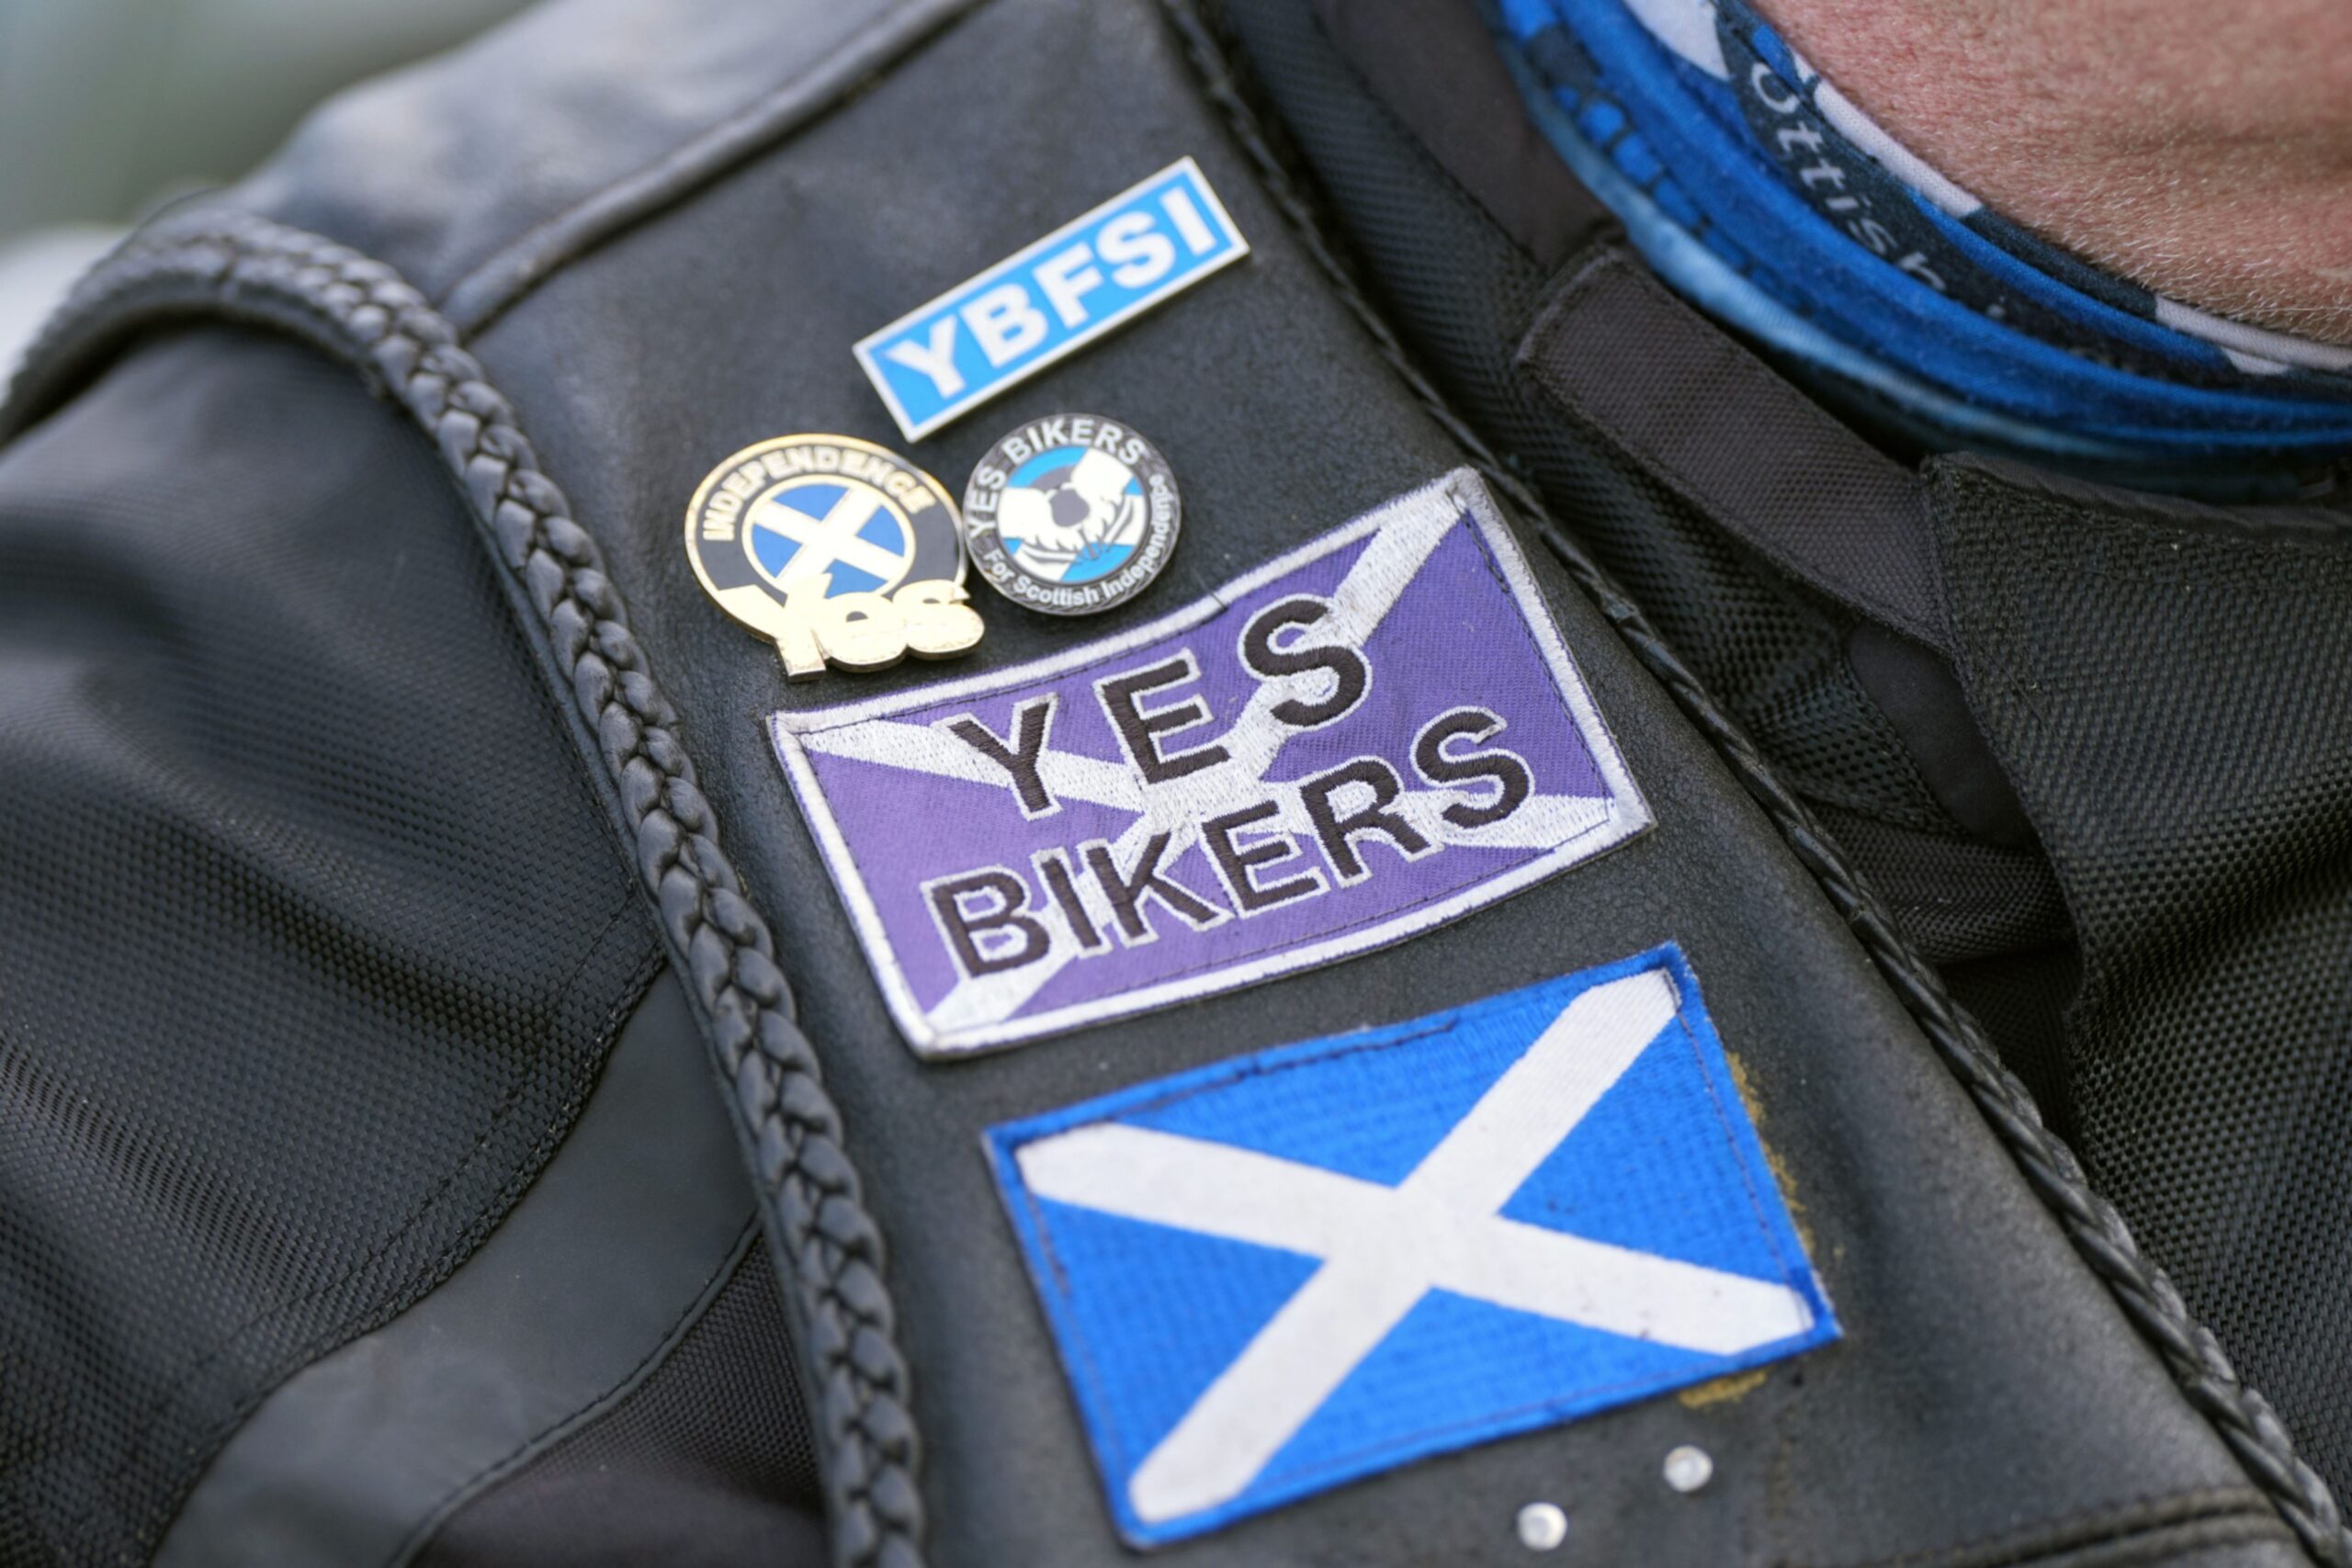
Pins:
x: 1367, y: 738
x: 1321, y: 1261
x: 941, y: 360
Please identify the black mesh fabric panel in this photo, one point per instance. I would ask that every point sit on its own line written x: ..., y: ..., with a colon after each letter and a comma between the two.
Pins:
x: 314, y: 936
x: 2020, y: 997
x: 708, y: 1463
x: 2174, y: 703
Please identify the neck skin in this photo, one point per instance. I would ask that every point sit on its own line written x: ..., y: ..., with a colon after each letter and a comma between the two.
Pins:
x: 2202, y: 150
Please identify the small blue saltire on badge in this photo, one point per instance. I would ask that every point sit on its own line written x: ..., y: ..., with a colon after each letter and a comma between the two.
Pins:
x: 1322, y: 1261
x: 941, y: 360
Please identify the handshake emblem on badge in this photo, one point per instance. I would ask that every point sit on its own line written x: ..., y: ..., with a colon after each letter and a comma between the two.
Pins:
x: 1072, y: 514
x: 1075, y: 522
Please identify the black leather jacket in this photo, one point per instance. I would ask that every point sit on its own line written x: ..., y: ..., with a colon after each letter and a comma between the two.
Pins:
x: 397, y: 856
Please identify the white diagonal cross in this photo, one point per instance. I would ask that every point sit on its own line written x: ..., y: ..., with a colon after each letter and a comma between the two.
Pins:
x: 1370, y: 590
x: 1384, y: 1247
x: 829, y: 539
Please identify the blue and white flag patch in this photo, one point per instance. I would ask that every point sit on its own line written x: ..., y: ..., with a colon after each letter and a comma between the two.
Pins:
x: 1299, y: 1268
x: 941, y: 360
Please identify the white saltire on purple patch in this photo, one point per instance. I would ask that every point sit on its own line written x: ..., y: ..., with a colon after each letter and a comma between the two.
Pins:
x: 1377, y: 733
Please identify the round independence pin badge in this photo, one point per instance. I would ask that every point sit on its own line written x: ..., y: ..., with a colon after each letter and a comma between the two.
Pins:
x: 1071, y: 515
x: 843, y: 554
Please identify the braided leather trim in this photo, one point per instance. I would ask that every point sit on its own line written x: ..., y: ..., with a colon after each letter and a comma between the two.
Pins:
x: 2239, y: 1415
x: 221, y: 263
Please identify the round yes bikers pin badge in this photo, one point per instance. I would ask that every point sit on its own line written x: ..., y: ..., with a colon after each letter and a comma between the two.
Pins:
x: 843, y: 554
x: 1071, y: 515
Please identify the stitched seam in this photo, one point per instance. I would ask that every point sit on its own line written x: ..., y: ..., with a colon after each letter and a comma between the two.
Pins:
x: 827, y: 1247
x: 2314, y: 526
x: 2239, y: 1415
x: 430, y: 1270
x: 598, y: 1405
x: 2225, y: 535
x: 1722, y: 359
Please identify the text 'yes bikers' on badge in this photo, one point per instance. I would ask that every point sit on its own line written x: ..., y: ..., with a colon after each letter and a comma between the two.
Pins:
x: 1157, y: 239
x: 1365, y: 739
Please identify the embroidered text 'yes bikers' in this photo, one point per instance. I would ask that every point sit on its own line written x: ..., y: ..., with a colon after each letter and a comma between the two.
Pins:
x: 1365, y: 739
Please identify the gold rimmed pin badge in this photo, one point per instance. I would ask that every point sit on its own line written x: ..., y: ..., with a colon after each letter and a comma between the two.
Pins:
x: 841, y: 553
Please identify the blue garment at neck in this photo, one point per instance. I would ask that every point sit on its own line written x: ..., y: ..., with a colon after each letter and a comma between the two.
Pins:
x: 1753, y: 186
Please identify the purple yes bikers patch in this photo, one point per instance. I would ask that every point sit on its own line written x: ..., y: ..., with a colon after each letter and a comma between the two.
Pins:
x: 1365, y: 739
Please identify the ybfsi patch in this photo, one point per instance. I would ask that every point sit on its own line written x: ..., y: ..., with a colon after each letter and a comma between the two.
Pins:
x: 1367, y: 738
x: 1092, y: 275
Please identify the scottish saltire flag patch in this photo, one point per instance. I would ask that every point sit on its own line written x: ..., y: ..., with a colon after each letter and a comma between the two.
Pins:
x: 1373, y: 735
x: 1101, y: 269
x: 1322, y: 1261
